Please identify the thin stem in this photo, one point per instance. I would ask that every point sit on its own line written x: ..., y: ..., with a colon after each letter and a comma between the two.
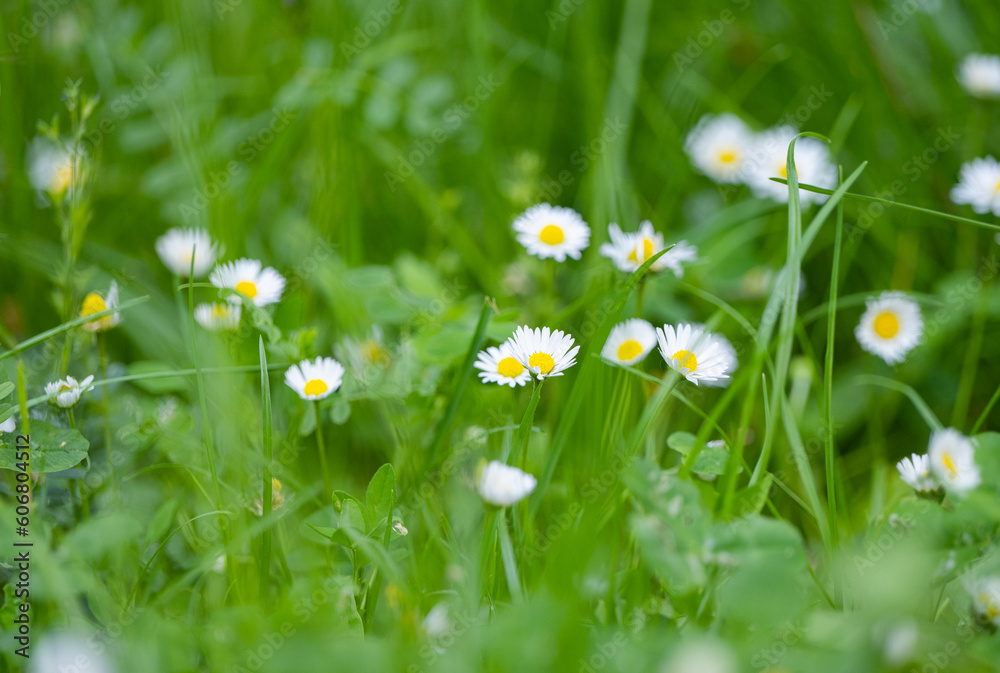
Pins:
x: 265, y: 535
x: 321, y: 447
x: 509, y: 561
x: 986, y: 411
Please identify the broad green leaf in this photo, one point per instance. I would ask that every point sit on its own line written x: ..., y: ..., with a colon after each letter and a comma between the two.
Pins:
x: 381, y: 495
x: 52, y: 449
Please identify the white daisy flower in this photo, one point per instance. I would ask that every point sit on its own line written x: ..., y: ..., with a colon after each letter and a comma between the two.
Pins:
x: 68, y: 391
x: 503, y: 485
x: 217, y: 317
x: 890, y: 327
x: 732, y: 362
x: 718, y: 145
x: 543, y: 351
x: 629, y: 342
x: 979, y: 186
x: 813, y: 164
x: 985, y: 594
x: 693, y: 352
x: 177, y: 246
x: 980, y: 75
x: 8, y: 425
x: 262, y: 286
x: 95, y: 303
x: 361, y: 355
x: 629, y: 251
x: 498, y: 365
x: 952, y: 459
x: 916, y: 471
x: 50, y: 167
x: 315, y: 380
x: 552, y: 231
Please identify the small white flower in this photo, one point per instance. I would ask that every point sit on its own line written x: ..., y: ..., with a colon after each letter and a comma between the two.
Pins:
x: 629, y: 251
x: 543, y: 351
x: 552, y: 231
x: 693, y: 352
x: 916, y: 471
x: 69, y: 391
x: 901, y: 642
x: 50, y: 167
x: 953, y: 461
x: 437, y: 623
x: 979, y: 186
x: 718, y: 146
x: 177, y: 247
x: 985, y: 594
x: 503, y: 485
x: 315, y: 380
x: 629, y: 342
x: 498, y: 365
x: 218, y: 317
x: 732, y: 362
x: 400, y: 528
x: 95, y: 303
x: 262, y: 286
x: 362, y: 356
x: 980, y: 75
x: 890, y: 327
x: 58, y: 652
x: 8, y: 425
x: 703, y: 656
x: 813, y: 164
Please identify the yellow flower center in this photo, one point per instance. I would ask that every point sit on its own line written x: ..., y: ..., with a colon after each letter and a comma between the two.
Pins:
x: 996, y: 190
x: 543, y: 361
x: 551, y: 234
x: 315, y: 387
x: 727, y: 157
x: 64, y: 388
x: 61, y: 179
x: 629, y: 349
x: 949, y: 465
x: 511, y: 368
x: 686, y: 360
x: 373, y: 352
x: 247, y: 288
x: 886, y: 324
x: 93, y: 303
x: 992, y: 609
x: 647, y: 252
x: 784, y: 171
x: 219, y: 311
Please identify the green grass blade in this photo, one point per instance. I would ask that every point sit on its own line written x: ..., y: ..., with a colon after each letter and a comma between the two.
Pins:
x: 265, y: 534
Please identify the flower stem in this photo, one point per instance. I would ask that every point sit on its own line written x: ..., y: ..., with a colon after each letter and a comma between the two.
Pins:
x: 639, y: 293
x: 321, y: 447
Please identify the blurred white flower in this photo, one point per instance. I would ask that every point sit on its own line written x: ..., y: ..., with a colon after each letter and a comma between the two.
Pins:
x: 979, y: 186
x: 980, y: 75
x: 953, y: 462
x: 552, y: 231
x: 50, y: 167
x: 985, y: 594
x: 8, y: 425
x: 702, y: 656
x: 890, y: 327
x: 57, y: 652
x: 261, y: 285
x: 177, y: 247
x: 315, y: 380
x: 217, y: 317
x: 900, y: 643
x: 629, y: 342
x: 718, y: 147
x: 95, y: 303
x: 628, y: 251
x: 69, y: 391
x: 916, y: 471
x: 503, y: 485
x: 769, y: 157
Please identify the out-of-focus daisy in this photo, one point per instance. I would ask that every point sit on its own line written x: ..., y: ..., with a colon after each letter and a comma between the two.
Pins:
x: 985, y: 594
x: 262, y: 286
x: 916, y: 471
x: 498, y: 365
x: 718, y: 145
x: 67, y: 652
x: 980, y: 75
x: 50, y: 167
x: 362, y: 354
x: 95, y: 303
x: 979, y: 186
x: 315, y: 379
x: 952, y: 458
x: 68, y: 391
x: 890, y: 327
x: 178, y: 246
x: 629, y: 251
x: 543, y: 351
x: 732, y: 362
x: 813, y: 164
x: 703, y: 656
x: 552, y: 231
x: 277, y: 498
x: 218, y: 317
x: 693, y: 352
x: 503, y: 485
x: 8, y: 425
x: 629, y: 342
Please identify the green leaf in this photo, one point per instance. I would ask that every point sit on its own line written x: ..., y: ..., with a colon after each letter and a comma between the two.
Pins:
x: 340, y: 412
x: 6, y: 411
x: 751, y: 500
x: 711, y: 459
x: 6, y: 389
x: 381, y: 495
x: 52, y: 449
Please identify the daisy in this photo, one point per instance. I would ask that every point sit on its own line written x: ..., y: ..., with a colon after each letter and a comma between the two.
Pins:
x: 503, y: 485
x: 68, y: 391
x: 979, y: 186
x: 980, y: 75
x: 50, y: 167
x: 718, y: 146
x: 986, y: 599
x: 916, y: 471
x: 629, y: 251
x: 729, y: 353
x: 543, y: 351
x: 178, y: 246
x: 361, y: 355
x: 952, y: 459
x: 218, y: 317
x: 8, y: 425
x: 890, y: 327
x: 551, y: 231
x: 498, y: 365
x: 95, y: 303
x: 768, y: 159
x: 261, y: 286
x: 277, y: 498
x: 629, y: 342
x: 315, y: 380
x: 693, y: 352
